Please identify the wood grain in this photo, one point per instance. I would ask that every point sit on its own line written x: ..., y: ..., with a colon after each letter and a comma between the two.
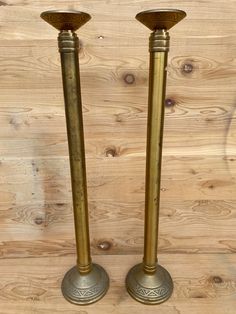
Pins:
x: 203, y: 284
x: 185, y: 226
x: 29, y: 180
x: 118, y: 121
x: 34, y: 70
x: 198, y: 180
x: 197, y: 241
x: 118, y: 9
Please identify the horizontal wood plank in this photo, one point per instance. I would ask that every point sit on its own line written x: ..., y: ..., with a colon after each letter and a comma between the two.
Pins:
x: 45, y: 230
x: 187, y: 178
x: 30, y: 69
x: 126, y: 33
x: 120, y: 10
x: 203, y: 284
x: 34, y: 124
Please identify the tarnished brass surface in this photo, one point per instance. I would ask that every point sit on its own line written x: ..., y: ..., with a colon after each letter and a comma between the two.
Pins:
x: 74, y: 122
x: 85, y: 289
x: 149, y: 288
x: 148, y: 282
x: 159, y: 41
x: 157, y: 85
x: 161, y: 18
x: 85, y: 283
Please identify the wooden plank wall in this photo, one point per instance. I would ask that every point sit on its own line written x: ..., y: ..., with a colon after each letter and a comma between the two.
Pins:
x: 198, y: 199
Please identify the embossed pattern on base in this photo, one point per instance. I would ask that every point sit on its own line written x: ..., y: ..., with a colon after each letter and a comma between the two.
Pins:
x: 85, y: 288
x: 149, y: 288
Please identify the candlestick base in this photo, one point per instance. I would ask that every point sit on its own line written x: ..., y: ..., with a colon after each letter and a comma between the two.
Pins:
x: 153, y: 288
x: 87, y: 288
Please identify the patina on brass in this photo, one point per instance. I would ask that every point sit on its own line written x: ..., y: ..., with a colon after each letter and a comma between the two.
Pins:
x: 149, y: 282
x: 86, y: 282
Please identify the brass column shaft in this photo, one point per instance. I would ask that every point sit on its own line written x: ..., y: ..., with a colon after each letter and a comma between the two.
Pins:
x: 68, y: 47
x: 157, y: 85
x: 86, y: 282
x: 149, y: 282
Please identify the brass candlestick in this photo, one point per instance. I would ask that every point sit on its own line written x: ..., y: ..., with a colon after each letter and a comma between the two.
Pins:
x: 86, y: 282
x: 149, y: 282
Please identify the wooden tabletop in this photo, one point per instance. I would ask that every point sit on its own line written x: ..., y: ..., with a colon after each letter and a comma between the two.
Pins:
x: 204, y: 284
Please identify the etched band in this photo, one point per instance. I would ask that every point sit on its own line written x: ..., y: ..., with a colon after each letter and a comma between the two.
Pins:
x: 155, y: 294
x: 68, y: 41
x: 159, y: 41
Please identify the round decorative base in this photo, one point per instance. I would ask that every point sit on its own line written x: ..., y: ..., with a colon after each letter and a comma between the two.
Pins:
x: 87, y: 288
x: 149, y: 288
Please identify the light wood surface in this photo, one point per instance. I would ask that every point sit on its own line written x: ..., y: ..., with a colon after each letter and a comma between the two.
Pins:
x: 197, y: 239
x: 204, y: 284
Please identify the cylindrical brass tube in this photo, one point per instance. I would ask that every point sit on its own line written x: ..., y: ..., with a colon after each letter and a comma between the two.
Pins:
x: 148, y: 282
x: 157, y: 86
x: 68, y: 46
x: 86, y: 282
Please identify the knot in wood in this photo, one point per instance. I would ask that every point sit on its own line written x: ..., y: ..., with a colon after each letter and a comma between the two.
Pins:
x: 169, y: 102
x: 129, y: 78
x: 38, y: 220
x: 187, y: 68
x: 104, y: 245
x: 217, y: 279
x: 111, y: 152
